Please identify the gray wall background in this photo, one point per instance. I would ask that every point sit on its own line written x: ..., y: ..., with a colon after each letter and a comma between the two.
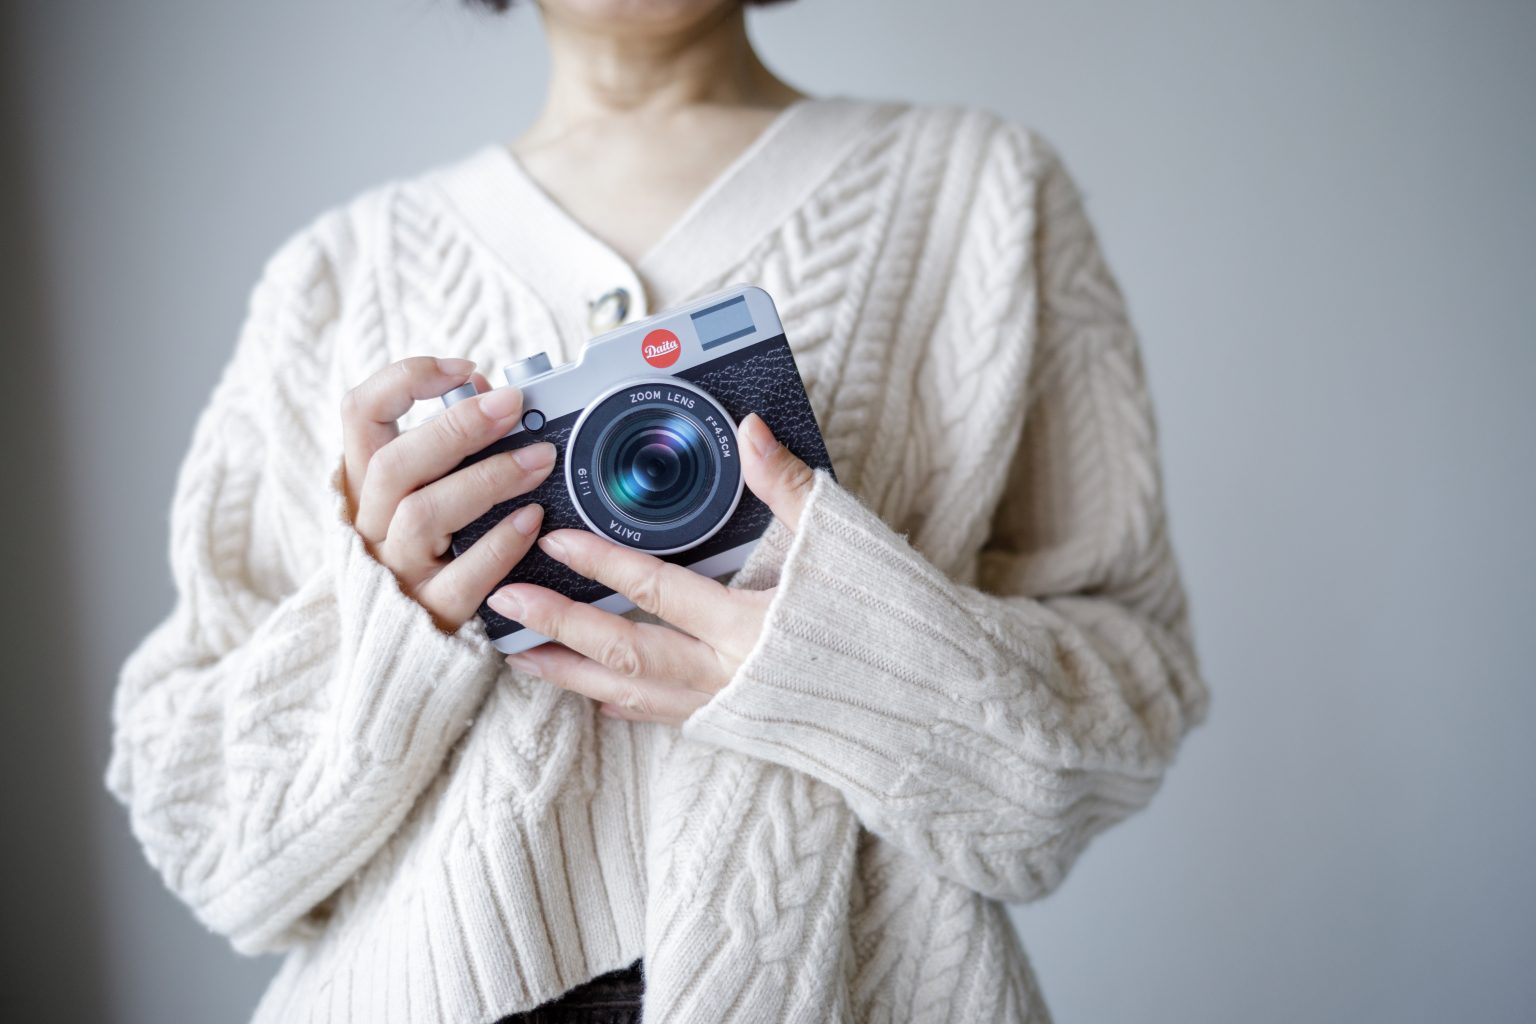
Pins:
x: 1322, y: 214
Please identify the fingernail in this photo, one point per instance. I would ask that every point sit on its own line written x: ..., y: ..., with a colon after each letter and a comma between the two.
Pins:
x: 523, y: 663
x: 761, y: 438
x: 504, y: 602
x: 455, y: 367
x: 499, y: 403
x: 535, y: 456
x: 526, y: 519
x: 554, y: 547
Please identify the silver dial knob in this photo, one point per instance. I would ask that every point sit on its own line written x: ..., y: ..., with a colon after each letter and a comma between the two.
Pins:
x: 524, y: 369
x: 458, y: 394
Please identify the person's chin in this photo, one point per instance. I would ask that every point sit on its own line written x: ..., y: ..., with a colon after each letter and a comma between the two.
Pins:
x: 637, y: 15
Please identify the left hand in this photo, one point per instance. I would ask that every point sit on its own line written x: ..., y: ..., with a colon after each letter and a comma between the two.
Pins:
x: 646, y: 671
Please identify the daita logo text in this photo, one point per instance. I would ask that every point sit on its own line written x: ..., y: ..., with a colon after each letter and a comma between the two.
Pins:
x: 661, y: 348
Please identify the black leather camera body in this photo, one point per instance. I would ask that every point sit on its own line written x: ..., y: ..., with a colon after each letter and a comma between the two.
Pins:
x: 646, y: 451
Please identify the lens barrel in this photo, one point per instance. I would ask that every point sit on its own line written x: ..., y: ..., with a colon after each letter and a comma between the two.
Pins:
x: 653, y: 464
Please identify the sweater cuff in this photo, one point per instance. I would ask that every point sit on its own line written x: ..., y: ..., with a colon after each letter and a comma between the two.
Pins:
x: 844, y: 682
x: 409, y: 687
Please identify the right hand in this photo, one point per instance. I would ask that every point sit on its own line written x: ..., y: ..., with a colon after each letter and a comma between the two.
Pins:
x: 405, y: 499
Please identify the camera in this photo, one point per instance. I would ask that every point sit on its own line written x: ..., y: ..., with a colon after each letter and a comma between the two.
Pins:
x: 646, y: 451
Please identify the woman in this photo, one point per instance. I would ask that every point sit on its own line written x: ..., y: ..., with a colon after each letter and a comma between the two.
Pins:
x: 805, y: 794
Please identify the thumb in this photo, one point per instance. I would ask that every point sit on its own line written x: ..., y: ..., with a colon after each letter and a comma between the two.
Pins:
x: 773, y: 472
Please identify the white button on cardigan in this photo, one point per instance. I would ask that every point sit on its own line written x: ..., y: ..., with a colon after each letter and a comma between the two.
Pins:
x: 608, y: 310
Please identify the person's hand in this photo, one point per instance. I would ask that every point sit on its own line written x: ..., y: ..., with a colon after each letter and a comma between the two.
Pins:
x: 405, y: 507
x: 646, y: 671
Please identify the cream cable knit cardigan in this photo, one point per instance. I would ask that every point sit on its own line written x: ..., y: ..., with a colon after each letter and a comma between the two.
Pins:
x: 979, y: 655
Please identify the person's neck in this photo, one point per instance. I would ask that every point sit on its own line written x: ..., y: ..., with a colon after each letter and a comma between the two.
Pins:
x: 598, y: 72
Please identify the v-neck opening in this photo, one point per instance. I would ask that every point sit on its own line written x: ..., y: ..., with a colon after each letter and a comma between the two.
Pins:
x: 691, y: 212
x: 569, y: 268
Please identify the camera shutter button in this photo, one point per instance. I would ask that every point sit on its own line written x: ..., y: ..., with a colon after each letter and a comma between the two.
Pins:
x: 608, y: 310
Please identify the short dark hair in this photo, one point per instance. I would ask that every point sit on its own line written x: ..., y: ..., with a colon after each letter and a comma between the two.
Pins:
x: 502, y: 6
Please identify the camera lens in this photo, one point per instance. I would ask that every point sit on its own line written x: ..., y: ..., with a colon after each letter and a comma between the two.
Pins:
x: 653, y: 465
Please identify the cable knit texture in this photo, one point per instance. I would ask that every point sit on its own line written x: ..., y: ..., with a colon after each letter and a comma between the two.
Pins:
x: 978, y: 657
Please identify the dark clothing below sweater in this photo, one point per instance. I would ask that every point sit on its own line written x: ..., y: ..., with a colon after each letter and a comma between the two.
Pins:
x: 612, y: 998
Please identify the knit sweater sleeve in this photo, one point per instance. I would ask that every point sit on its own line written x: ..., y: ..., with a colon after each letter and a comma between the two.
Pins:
x: 275, y: 727
x: 991, y: 731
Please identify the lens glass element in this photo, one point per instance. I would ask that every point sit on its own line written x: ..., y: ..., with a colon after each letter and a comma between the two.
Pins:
x: 655, y: 466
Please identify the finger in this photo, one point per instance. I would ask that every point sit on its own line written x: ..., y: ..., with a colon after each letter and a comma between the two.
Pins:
x: 458, y: 588
x: 369, y: 410
x: 639, y: 699
x: 773, y: 472
x: 672, y: 593
x: 426, y: 519
x: 431, y: 450
x: 637, y: 650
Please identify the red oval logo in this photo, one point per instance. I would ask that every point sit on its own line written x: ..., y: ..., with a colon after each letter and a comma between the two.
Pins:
x: 661, y: 348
